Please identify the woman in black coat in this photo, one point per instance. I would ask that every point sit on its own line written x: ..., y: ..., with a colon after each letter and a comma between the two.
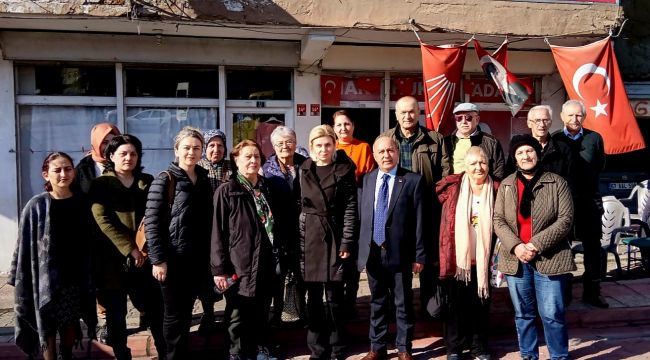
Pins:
x: 178, y: 236
x: 242, y: 245
x: 328, y: 220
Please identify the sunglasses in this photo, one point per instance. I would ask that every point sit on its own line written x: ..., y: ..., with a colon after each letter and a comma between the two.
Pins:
x: 463, y: 117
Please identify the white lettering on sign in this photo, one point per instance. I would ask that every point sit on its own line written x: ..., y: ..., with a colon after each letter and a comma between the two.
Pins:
x: 641, y: 108
x: 484, y: 90
x: 350, y: 88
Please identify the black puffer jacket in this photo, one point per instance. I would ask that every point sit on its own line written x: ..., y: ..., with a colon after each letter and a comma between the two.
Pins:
x: 327, y: 225
x: 188, y: 231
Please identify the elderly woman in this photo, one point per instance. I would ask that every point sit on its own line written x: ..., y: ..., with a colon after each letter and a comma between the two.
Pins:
x: 118, y: 201
x: 280, y: 171
x: 219, y: 171
x: 328, y: 221
x: 242, y: 244
x: 178, y: 235
x: 467, y: 202
x: 532, y: 217
x: 51, y: 266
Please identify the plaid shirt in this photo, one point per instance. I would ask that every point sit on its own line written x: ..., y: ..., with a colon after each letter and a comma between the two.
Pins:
x: 406, y: 148
x: 218, y: 173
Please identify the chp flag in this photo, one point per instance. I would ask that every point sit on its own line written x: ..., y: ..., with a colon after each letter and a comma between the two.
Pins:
x: 442, y: 68
x: 513, y: 91
x: 590, y: 73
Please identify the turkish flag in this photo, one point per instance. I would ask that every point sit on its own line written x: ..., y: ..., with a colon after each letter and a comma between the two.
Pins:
x: 330, y: 89
x: 514, y: 92
x: 590, y: 73
x: 442, y: 68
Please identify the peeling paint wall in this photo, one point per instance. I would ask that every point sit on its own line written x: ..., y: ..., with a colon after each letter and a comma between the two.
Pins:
x: 469, y: 16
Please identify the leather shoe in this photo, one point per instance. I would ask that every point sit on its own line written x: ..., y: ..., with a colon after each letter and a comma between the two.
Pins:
x: 404, y: 356
x: 374, y: 355
x: 595, y: 300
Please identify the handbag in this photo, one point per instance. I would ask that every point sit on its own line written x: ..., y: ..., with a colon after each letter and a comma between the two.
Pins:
x: 291, y: 309
x: 496, y: 276
x: 140, y: 237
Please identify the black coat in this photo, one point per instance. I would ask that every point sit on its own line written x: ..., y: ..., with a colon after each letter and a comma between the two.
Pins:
x: 556, y: 158
x: 489, y: 144
x: 240, y: 244
x: 327, y: 226
x: 188, y: 230
x: 85, y: 174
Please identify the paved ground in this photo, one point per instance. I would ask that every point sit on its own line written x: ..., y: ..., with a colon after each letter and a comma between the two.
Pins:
x: 621, y: 332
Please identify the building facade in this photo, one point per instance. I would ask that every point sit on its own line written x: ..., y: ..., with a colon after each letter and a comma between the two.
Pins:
x: 152, y: 67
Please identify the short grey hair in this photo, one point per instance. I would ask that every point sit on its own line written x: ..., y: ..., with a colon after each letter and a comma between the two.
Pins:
x: 572, y: 102
x: 538, y: 108
x: 282, y: 132
x: 476, y: 150
x: 385, y: 136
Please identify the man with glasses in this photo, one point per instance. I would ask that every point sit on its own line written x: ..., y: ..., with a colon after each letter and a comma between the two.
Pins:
x: 588, y: 160
x: 468, y: 134
x: 556, y: 156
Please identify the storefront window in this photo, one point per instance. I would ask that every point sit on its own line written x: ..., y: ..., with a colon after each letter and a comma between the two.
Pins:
x: 44, y: 129
x: 258, y: 84
x: 173, y: 83
x: 257, y: 127
x: 156, y: 128
x: 66, y: 80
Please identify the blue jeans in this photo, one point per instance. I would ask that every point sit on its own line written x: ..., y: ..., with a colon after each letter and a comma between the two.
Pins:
x: 532, y: 292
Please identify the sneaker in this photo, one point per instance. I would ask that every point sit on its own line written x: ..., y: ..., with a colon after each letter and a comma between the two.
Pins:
x: 264, y: 354
x: 482, y: 357
x: 235, y: 357
x: 453, y: 356
x: 102, y: 335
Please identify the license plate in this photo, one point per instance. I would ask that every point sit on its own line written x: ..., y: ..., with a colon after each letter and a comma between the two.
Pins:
x: 621, y: 186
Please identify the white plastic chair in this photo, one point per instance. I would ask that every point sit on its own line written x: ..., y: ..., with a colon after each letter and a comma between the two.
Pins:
x: 615, y: 222
x: 643, y: 201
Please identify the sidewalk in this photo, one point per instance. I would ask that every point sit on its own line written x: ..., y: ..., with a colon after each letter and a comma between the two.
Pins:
x: 620, y: 332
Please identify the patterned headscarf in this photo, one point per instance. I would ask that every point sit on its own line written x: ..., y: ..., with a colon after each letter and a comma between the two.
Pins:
x: 211, y: 134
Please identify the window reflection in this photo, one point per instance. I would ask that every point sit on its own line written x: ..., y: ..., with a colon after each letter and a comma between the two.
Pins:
x: 258, y: 84
x: 173, y: 83
x: 256, y: 127
x: 66, y: 80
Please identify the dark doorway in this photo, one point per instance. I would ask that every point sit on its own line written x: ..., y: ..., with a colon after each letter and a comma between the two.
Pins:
x: 366, y: 121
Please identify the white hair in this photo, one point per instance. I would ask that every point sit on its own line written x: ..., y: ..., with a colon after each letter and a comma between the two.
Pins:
x: 541, y: 107
x: 282, y: 132
x: 579, y: 103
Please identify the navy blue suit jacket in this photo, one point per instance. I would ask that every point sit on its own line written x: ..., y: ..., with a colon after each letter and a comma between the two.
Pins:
x: 405, y: 222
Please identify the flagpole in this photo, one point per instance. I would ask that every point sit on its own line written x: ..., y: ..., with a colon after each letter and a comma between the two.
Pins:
x: 411, y: 23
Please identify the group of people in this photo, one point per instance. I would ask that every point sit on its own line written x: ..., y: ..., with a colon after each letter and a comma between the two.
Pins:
x: 415, y: 202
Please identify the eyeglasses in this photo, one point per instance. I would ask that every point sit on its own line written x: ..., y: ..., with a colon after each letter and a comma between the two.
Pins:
x: 464, y: 117
x: 285, y: 143
x: 540, y: 121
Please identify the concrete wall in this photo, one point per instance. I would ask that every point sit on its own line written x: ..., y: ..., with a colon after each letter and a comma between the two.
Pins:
x: 469, y: 16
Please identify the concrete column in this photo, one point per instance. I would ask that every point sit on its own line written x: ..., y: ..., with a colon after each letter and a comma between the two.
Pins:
x: 306, y: 91
x: 9, y: 211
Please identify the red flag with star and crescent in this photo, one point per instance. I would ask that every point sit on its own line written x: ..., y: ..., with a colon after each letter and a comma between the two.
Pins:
x: 442, y: 68
x: 590, y: 73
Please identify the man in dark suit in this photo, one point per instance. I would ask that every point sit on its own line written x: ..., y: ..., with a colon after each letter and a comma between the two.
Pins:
x: 391, y: 245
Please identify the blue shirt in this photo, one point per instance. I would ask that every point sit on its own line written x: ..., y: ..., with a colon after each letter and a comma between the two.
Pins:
x: 391, y: 182
x: 571, y: 136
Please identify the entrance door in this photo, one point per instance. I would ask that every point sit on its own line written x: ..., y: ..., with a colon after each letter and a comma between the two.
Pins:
x: 254, y: 124
x: 367, y: 121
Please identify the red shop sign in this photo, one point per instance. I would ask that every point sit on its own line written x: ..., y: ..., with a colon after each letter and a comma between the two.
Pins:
x: 406, y: 86
x: 484, y: 91
x: 337, y: 88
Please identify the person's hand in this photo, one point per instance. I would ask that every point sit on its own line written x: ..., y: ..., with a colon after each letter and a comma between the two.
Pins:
x: 138, y: 257
x: 160, y: 271
x: 417, y: 267
x: 344, y: 254
x: 524, y: 254
x: 221, y: 282
x: 531, y: 247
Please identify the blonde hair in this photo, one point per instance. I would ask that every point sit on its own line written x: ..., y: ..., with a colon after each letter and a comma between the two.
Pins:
x: 186, y: 132
x: 319, y: 132
x: 476, y: 151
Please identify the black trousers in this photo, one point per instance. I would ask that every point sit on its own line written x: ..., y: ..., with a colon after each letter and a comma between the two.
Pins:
x: 248, y: 325
x: 179, y: 292
x: 587, y: 229
x: 145, y: 295
x: 466, y: 322
x: 325, y: 321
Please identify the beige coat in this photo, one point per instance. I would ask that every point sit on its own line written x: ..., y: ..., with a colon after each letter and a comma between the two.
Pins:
x: 552, y: 216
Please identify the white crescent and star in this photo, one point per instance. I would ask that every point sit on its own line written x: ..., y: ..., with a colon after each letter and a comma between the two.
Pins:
x: 584, y: 70
x: 329, y: 91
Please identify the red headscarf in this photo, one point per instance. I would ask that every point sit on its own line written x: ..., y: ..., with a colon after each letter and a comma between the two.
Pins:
x: 97, y: 135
